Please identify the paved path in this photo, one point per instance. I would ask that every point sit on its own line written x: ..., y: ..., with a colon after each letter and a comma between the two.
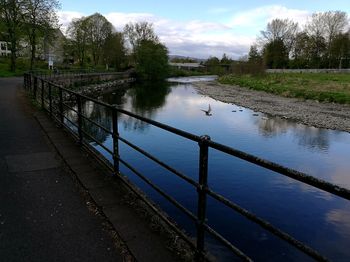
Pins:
x: 42, y: 215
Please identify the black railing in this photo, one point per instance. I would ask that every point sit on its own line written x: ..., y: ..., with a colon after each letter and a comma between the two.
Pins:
x: 52, y: 99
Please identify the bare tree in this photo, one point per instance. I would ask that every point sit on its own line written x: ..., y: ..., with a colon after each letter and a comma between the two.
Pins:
x: 280, y: 29
x: 137, y: 32
x: 41, y: 20
x: 328, y: 26
x: 11, y: 14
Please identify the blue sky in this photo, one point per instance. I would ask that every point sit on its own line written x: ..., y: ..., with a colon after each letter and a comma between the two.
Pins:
x: 201, y: 28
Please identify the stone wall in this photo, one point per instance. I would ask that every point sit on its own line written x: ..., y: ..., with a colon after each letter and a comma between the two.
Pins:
x: 344, y: 71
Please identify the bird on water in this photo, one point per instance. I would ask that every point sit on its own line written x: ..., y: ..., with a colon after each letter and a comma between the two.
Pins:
x: 207, y: 112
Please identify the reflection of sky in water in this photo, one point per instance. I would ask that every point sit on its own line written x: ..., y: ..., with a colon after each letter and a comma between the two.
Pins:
x: 308, y: 214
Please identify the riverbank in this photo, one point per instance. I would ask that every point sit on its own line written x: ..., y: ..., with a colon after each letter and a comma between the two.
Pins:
x: 308, y: 112
x: 323, y: 87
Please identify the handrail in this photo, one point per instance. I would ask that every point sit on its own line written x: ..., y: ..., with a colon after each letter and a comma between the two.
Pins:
x: 204, y: 143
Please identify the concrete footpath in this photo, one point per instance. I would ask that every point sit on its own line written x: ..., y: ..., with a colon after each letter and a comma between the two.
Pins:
x: 44, y: 216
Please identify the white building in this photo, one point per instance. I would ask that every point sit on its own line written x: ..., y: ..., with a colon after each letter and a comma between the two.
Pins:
x: 4, y: 49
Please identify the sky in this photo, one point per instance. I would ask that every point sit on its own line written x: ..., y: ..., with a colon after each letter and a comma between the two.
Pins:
x: 201, y: 28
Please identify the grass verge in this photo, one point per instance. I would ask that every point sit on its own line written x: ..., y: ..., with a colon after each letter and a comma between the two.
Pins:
x: 324, y: 87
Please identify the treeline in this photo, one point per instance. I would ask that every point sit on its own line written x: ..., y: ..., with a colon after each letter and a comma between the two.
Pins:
x: 27, y: 21
x: 90, y: 41
x: 324, y: 42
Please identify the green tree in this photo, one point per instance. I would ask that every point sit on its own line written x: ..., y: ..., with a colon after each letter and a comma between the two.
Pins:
x: 99, y: 30
x: 40, y: 20
x: 300, y: 52
x: 11, y: 14
x: 276, y: 54
x: 254, y: 55
x: 114, y: 52
x: 340, y: 51
x: 151, y: 60
x: 78, y: 38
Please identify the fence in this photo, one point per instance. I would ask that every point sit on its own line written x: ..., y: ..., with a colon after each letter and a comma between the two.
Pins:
x: 51, y: 97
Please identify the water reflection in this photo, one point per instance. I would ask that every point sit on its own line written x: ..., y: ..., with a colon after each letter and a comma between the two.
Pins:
x: 309, y: 137
x: 308, y: 214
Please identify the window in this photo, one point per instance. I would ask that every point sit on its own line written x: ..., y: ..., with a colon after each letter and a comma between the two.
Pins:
x: 3, y: 46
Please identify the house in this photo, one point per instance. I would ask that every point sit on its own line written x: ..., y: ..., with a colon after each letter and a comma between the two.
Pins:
x: 48, y: 49
x: 4, y: 48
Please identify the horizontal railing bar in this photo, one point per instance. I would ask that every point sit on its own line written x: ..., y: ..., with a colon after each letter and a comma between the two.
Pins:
x: 156, y: 188
x: 149, y: 121
x: 154, y: 209
x: 269, y: 227
x: 69, y: 107
x: 162, y: 126
x: 97, y: 142
x: 296, y: 175
x: 69, y: 120
x: 234, y: 249
x: 177, y: 173
x: 97, y: 124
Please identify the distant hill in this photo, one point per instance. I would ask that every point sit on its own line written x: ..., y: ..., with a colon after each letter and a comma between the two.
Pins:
x: 198, y: 60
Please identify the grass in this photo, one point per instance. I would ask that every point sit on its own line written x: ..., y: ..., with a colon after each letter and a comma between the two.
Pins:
x: 324, y: 87
x: 5, y: 71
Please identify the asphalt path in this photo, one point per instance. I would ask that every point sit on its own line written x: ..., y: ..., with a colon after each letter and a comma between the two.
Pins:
x: 42, y: 215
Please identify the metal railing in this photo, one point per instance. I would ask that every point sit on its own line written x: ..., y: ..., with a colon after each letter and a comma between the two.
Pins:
x: 49, y: 91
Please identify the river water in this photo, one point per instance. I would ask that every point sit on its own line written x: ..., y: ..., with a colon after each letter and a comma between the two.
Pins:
x: 312, y: 216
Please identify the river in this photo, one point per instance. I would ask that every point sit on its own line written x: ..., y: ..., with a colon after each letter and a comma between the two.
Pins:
x: 316, y: 218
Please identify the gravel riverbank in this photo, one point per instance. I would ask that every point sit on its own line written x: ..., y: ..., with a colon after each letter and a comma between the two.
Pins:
x: 312, y: 113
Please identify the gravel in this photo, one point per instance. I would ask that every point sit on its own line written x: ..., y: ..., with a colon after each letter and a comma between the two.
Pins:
x: 308, y: 112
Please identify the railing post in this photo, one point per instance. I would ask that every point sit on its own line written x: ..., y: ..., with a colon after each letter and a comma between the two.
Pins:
x: 35, y: 87
x: 42, y: 94
x: 80, y: 120
x: 50, y: 99
x: 25, y: 81
x: 202, y: 196
x: 115, y: 135
x: 60, y: 106
x: 30, y: 82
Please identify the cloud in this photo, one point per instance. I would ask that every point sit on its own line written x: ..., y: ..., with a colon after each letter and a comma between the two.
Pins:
x: 219, y: 10
x: 260, y: 16
x: 65, y: 17
x: 197, y: 38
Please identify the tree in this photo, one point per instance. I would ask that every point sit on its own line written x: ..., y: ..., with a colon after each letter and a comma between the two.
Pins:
x: 99, y: 30
x: 11, y: 13
x: 151, y: 60
x: 300, y: 51
x: 78, y: 34
x: 254, y: 55
x: 40, y: 20
x: 138, y: 32
x: 225, y: 60
x: 340, y: 51
x: 276, y: 54
x: 323, y: 28
x: 280, y: 29
x: 114, y: 52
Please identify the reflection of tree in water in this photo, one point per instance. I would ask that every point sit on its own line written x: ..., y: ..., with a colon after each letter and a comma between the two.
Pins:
x: 115, y: 97
x: 309, y: 137
x: 145, y: 100
x: 100, y: 115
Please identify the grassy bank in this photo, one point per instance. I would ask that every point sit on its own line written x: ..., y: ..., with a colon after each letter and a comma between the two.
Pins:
x: 316, y: 86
